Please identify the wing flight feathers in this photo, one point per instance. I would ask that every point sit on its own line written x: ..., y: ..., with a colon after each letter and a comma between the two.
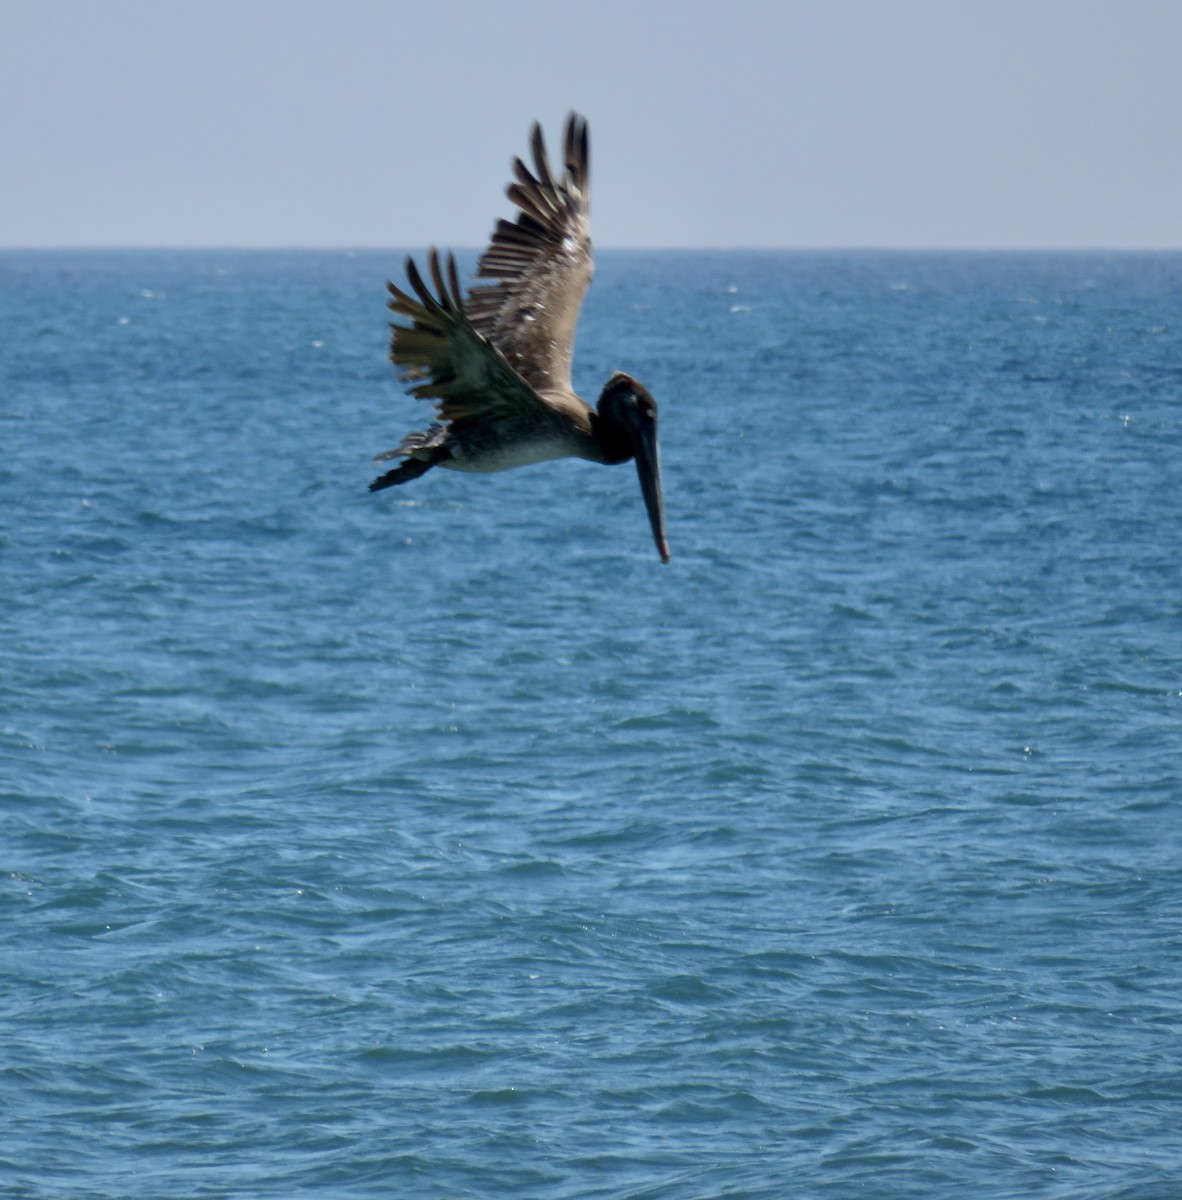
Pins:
x: 443, y: 356
x: 541, y: 263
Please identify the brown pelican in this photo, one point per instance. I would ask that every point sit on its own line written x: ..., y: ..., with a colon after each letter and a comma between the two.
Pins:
x: 498, y: 362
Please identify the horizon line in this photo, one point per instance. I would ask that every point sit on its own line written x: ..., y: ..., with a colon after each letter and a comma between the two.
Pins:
x: 367, y: 248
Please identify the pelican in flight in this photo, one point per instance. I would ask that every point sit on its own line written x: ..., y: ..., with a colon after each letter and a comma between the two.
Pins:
x: 497, y: 363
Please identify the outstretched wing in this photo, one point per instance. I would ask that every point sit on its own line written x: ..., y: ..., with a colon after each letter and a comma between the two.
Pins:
x: 542, y: 264
x: 446, y: 358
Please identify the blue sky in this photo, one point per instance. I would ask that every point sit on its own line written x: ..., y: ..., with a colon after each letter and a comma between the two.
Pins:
x: 895, y: 123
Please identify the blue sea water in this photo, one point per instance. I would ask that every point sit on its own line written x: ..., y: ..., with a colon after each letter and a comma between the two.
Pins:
x: 443, y: 843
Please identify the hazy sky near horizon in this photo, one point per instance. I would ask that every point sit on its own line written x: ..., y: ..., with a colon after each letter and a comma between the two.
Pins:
x: 798, y: 123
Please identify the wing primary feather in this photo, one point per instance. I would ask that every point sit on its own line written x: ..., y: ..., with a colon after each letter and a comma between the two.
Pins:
x: 542, y: 197
x: 416, y: 282
x: 577, y: 153
x: 437, y: 276
x: 532, y: 203
x: 541, y: 161
x: 453, y: 280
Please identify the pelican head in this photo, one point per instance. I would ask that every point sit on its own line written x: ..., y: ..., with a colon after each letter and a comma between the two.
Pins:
x: 627, y: 428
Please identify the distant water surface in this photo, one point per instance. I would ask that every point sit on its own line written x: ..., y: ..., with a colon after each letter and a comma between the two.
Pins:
x: 443, y: 843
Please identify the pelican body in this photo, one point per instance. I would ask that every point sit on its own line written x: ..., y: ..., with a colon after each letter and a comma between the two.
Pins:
x: 497, y: 363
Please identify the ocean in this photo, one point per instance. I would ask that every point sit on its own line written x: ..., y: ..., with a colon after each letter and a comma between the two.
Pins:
x: 444, y: 843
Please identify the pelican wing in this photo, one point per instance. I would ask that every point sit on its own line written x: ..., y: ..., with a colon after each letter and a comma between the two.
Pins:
x: 542, y: 264
x: 446, y: 358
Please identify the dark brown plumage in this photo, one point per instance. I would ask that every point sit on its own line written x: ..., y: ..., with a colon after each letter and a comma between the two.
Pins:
x: 498, y: 362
